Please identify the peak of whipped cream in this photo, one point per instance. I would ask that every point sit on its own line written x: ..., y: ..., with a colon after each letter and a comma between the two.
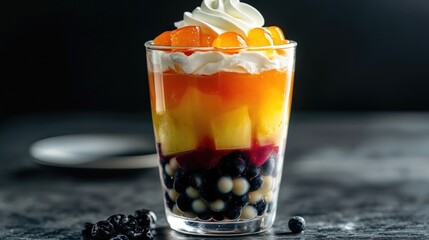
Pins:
x: 222, y: 16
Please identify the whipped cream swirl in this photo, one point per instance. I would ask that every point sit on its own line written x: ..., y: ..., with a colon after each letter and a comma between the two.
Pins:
x: 222, y: 16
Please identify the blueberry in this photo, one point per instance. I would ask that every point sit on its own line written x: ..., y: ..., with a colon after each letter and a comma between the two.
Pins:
x: 128, y: 224
x: 234, y: 164
x: 102, y: 230
x: 86, y: 232
x: 168, y: 181
x: 297, y: 224
x: 120, y: 237
x: 268, y: 166
x: 141, y: 233
x: 170, y: 203
x: 232, y: 212
x: 181, y: 180
x: 116, y: 220
x: 261, y: 206
x: 184, y: 203
x: 252, y: 171
x: 240, y: 201
x: 145, y: 217
x: 256, y: 183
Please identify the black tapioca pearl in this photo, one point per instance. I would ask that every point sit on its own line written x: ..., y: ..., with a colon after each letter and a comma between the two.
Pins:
x: 232, y: 212
x: 168, y: 180
x: 233, y: 164
x: 256, y: 183
x: 197, y: 181
x: 240, y: 201
x: 184, y: 203
x: 261, y: 207
x: 209, y: 194
x: 181, y: 180
x: 251, y: 171
x: 268, y: 167
x: 218, y: 216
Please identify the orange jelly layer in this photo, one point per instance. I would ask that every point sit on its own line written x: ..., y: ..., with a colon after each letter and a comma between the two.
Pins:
x: 229, y: 110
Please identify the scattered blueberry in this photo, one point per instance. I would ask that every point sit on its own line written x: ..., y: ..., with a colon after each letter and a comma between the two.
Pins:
x: 268, y: 166
x: 102, y: 230
x: 120, y: 237
x: 145, y: 217
x: 297, y: 224
x: 256, y: 183
x: 141, y: 233
x: 86, y: 232
x: 128, y: 224
x: 116, y: 221
x: 261, y: 207
x: 184, y: 203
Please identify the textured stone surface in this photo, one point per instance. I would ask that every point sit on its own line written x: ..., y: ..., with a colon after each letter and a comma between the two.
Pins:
x: 351, y: 176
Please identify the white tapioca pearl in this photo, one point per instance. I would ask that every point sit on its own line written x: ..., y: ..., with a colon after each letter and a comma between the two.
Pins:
x: 199, y: 206
x: 177, y: 211
x: 268, y: 196
x: 267, y: 185
x: 173, y: 163
x: 169, y: 170
x: 173, y: 194
x: 218, y: 205
x: 241, y: 186
x: 255, y: 197
x: 225, y: 184
x: 248, y: 212
x: 192, y: 192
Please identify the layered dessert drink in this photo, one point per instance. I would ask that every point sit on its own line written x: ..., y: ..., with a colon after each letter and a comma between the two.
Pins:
x: 220, y: 90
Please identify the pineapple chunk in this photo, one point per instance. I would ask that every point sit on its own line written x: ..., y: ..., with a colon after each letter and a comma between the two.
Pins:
x: 232, y: 129
x: 270, y: 123
x: 176, y: 136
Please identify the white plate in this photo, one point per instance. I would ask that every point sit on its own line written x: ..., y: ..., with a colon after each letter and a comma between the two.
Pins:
x: 96, y: 151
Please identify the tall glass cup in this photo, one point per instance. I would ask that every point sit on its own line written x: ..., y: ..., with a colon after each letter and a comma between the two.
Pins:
x: 220, y: 117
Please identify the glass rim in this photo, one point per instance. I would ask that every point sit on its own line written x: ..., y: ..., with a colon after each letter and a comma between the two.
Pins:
x: 150, y: 45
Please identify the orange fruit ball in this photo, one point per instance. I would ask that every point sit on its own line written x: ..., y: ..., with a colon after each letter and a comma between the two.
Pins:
x: 163, y: 39
x: 259, y: 37
x: 229, y: 39
x: 189, y: 36
x: 277, y: 35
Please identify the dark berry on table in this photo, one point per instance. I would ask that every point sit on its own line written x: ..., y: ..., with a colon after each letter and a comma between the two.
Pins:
x: 168, y: 181
x: 86, y: 232
x: 116, y: 220
x: 268, y: 166
x: 261, y: 207
x: 127, y: 224
x: 232, y: 212
x: 181, y: 180
x: 252, y: 171
x: 102, y: 230
x: 240, y: 201
x: 141, y: 233
x: 256, y: 183
x: 297, y: 224
x: 170, y: 203
x: 145, y: 217
x: 120, y: 237
x: 184, y: 203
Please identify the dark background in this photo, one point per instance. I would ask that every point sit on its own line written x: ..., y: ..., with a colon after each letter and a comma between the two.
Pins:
x: 82, y: 55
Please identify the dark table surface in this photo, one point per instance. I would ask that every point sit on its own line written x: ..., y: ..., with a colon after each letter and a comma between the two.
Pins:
x: 350, y: 175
